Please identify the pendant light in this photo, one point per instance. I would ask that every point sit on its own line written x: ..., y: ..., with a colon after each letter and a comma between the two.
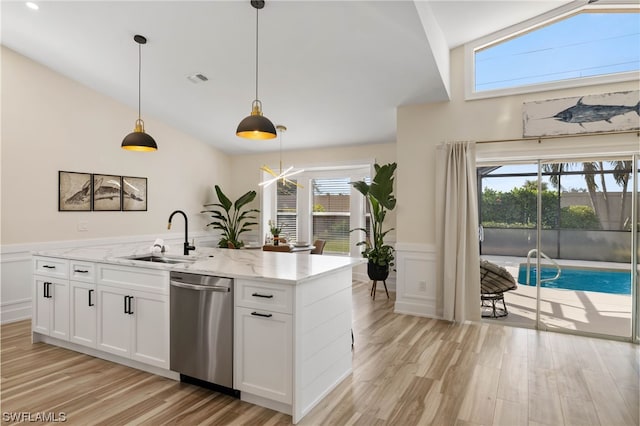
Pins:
x: 256, y: 125
x: 283, y: 176
x: 138, y: 140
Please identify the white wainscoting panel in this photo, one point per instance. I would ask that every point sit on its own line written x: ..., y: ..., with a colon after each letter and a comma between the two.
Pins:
x: 15, y: 286
x: 16, y: 268
x: 416, y: 291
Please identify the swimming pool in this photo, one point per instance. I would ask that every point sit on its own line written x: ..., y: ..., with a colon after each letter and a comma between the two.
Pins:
x: 581, y: 279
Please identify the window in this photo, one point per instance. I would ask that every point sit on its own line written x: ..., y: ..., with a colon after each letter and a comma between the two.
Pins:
x: 324, y: 206
x: 287, y: 211
x: 585, y: 47
x: 331, y: 213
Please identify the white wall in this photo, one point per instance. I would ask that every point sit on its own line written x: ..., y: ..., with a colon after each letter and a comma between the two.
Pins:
x: 422, y: 127
x: 51, y: 123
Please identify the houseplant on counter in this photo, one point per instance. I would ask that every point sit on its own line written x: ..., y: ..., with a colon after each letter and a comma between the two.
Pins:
x: 232, y: 218
x: 275, y: 231
x: 379, y: 196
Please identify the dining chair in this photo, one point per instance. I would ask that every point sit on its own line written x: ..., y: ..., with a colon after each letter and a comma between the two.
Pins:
x: 319, y: 247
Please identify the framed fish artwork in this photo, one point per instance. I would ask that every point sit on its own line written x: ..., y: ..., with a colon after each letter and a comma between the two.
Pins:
x: 618, y: 111
x: 74, y: 191
x: 107, y: 191
x: 134, y: 193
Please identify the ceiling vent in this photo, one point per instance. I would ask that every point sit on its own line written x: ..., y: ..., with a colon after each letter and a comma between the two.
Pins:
x: 197, y: 78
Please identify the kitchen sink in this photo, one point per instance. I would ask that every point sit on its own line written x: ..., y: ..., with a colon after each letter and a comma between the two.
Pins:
x: 158, y: 259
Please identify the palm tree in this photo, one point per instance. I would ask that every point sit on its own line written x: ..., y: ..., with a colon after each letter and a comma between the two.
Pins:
x: 621, y: 175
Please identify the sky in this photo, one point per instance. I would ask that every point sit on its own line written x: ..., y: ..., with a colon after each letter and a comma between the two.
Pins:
x: 584, y: 45
x: 506, y: 184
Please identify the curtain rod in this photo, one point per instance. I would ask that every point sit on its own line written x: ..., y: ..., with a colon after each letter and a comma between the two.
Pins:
x: 540, y: 138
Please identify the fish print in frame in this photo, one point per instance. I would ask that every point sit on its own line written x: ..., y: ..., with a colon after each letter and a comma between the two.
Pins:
x: 134, y: 193
x: 107, y: 193
x: 619, y: 111
x: 74, y: 191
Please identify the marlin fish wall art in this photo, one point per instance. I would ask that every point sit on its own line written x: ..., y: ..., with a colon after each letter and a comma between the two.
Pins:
x: 618, y: 111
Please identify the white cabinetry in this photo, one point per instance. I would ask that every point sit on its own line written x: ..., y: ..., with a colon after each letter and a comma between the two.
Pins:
x: 133, y: 313
x: 83, y: 309
x: 292, y: 341
x: 51, y: 297
x: 263, y: 340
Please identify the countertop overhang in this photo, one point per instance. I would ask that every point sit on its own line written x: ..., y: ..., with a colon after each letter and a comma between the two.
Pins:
x: 286, y: 268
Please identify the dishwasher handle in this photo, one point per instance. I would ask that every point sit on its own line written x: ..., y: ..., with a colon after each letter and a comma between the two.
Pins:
x: 217, y: 288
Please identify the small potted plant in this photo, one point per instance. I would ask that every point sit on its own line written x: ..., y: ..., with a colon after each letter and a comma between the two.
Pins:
x: 275, y: 231
x: 379, y: 195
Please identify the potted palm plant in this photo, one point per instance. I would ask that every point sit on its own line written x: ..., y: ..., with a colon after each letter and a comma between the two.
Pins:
x: 232, y: 218
x: 379, y: 196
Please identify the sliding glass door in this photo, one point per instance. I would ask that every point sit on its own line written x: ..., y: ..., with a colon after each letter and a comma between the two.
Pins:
x: 586, y: 251
x: 636, y: 225
x: 566, y: 230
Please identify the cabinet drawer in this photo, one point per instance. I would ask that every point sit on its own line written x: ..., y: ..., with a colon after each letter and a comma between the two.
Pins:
x: 134, y: 278
x: 262, y: 295
x: 51, y: 267
x: 82, y: 271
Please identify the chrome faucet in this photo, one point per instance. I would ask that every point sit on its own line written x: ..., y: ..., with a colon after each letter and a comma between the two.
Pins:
x: 187, y: 246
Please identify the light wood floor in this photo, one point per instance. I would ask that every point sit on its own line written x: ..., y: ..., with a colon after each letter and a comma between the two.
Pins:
x: 407, y: 371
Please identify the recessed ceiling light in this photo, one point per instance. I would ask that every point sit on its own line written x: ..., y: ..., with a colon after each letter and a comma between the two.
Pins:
x: 31, y: 5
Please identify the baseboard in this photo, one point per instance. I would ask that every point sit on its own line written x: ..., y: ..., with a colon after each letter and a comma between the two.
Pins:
x: 14, y: 311
x: 416, y: 309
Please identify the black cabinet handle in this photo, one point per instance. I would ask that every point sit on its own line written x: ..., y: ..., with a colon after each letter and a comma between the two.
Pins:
x: 47, y: 290
x: 258, y: 314
x: 48, y: 267
x: 90, y: 304
x: 125, y: 304
x: 130, y: 310
x: 80, y: 271
x: 266, y: 296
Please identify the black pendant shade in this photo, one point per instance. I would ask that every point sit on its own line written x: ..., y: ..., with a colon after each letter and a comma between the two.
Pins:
x: 138, y: 140
x: 256, y: 126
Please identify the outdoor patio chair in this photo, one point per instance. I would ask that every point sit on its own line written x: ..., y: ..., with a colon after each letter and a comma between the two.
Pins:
x: 494, y: 281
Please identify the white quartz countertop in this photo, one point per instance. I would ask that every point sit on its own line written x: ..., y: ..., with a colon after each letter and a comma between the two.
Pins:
x: 290, y: 268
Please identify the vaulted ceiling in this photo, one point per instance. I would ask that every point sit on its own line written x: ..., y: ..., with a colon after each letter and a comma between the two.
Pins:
x: 333, y: 72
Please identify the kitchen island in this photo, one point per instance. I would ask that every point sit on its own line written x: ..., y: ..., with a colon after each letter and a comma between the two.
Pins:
x: 292, y: 314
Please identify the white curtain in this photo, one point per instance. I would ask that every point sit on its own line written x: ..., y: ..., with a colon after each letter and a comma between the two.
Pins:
x: 458, y: 259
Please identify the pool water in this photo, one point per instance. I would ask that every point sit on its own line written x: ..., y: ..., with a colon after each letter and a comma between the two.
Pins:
x: 600, y: 280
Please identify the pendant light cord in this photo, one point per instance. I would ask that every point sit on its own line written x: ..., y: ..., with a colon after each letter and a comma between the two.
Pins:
x: 139, y: 75
x: 257, y: 10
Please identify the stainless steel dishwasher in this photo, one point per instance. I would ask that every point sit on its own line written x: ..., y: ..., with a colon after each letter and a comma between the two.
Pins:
x: 202, y: 328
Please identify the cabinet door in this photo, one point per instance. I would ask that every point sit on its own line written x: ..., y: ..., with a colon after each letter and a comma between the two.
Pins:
x: 263, y: 355
x: 83, y: 321
x: 59, y: 316
x: 114, y: 323
x: 51, y: 307
x: 150, y: 339
x: 40, y: 305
